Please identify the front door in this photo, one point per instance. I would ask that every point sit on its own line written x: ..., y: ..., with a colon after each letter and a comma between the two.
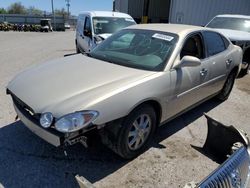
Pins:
x: 187, y: 82
x: 86, y: 42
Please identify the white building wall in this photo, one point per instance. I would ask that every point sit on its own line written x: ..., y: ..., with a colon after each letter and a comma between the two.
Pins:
x: 195, y: 12
x: 199, y: 12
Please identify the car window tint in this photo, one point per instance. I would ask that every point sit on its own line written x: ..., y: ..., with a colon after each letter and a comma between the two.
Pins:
x: 215, y: 44
x: 87, y: 25
x: 226, y: 41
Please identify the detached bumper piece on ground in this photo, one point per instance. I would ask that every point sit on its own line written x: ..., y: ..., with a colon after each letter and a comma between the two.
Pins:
x: 223, y: 143
x: 230, y: 145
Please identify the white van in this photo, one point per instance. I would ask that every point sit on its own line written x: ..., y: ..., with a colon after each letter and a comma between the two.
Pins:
x: 95, y: 26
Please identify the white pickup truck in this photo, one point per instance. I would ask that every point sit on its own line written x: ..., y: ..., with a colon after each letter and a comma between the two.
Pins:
x: 237, y: 29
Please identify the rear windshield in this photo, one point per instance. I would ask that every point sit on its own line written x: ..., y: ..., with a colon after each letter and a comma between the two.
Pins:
x: 240, y: 24
x: 104, y: 25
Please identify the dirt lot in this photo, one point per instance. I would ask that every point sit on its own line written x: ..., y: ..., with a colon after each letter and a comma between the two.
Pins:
x: 28, y: 161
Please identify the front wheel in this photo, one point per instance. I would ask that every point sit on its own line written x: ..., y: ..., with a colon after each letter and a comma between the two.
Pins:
x: 228, y: 86
x: 135, y: 133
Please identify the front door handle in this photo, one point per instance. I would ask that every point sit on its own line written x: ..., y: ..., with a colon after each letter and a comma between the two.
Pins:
x: 203, y: 72
x: 229, y: 61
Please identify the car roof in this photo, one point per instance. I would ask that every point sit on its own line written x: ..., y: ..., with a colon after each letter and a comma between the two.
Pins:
x: 233, y: 16
x: 178, y: 29
x: 106, y: 14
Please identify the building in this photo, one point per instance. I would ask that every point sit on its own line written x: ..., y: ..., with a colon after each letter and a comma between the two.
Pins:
x: 195, y: 12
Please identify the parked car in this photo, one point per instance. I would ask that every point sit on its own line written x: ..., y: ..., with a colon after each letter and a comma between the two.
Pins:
x: 95, y: 26
x: 137, y: 79
x: 66, y: 25
x: 237, y: 29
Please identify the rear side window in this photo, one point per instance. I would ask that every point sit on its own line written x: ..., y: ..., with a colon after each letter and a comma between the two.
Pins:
x: 226, y: 42
x: 214, y: 42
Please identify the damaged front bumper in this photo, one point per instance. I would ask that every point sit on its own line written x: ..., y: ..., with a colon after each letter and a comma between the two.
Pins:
x: 51, y: 135
x: 230, y: 147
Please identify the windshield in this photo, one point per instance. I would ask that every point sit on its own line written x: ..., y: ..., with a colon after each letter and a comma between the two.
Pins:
x: 240, y: 24
x: 110, y: 24
x: 44, y: 22
x: 141, y: 49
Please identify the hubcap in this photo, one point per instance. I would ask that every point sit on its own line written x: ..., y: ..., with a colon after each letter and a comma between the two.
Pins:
x: 139, y: 132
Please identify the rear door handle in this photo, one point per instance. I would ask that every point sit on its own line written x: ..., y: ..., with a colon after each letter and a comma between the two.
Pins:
x: 203, y: 72
x: 229, y: 61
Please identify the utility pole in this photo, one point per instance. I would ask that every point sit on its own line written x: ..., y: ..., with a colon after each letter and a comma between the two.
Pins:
x: 53, y: 13
x: 68, y: 5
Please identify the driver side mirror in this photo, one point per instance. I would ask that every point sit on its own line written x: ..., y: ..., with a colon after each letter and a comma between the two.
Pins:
x: 87, y: 33
x: 188, y: 61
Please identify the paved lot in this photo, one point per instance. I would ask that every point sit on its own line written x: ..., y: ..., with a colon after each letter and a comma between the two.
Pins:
x: 28, y: 161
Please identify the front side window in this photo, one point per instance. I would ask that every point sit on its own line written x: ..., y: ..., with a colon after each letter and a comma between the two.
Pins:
x: 87, y: 25
x: 240, y: 24
x: 141, y: 49
x: 193, y: 46
x: 215, y: 44
x: 104, y: 25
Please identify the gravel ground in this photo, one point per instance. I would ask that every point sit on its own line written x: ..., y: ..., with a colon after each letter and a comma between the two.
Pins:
x: 28, y: 161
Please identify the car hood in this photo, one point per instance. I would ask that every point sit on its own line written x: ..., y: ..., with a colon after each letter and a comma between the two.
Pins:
x: 235, y: 35
x: 104, y: 36
x: 66, y: 84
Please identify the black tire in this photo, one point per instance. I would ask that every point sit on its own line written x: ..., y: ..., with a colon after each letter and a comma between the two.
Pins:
x: 77, y: 50
x: 121, y: 142
x: 244, y: 71
x: 228, y: 86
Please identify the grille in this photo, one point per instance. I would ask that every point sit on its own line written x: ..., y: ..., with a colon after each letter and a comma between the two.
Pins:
x: 24, y: 107
x: 233, y: 173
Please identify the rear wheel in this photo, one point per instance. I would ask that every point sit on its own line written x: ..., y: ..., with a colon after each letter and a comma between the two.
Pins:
x: 228, y: 86
x: 245, y: 71
x: 77, y: 48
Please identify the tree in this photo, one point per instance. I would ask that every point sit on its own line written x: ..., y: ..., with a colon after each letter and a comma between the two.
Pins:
x: 61, y: 12
x: 34, y: 11
x: 3, y: 11
x: 17, y: 8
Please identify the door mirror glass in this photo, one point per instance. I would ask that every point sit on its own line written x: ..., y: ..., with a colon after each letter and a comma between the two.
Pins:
x: 188, y: 61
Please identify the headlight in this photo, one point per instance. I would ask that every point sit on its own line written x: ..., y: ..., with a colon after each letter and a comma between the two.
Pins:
x: 46, y: 119
x: 75, y: 121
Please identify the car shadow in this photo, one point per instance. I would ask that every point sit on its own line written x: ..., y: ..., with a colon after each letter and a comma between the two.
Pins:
x: 28, y: 161
x: 184, y: 120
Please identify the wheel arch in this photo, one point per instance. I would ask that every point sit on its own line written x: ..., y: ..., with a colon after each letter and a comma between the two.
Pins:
x: 154, y: 104
x: 246, y: 55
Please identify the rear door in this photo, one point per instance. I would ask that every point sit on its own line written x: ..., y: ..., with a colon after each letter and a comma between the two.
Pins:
x: 219, y: 61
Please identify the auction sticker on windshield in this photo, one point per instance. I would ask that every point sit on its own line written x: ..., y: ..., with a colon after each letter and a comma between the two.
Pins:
x: 163, y: 37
